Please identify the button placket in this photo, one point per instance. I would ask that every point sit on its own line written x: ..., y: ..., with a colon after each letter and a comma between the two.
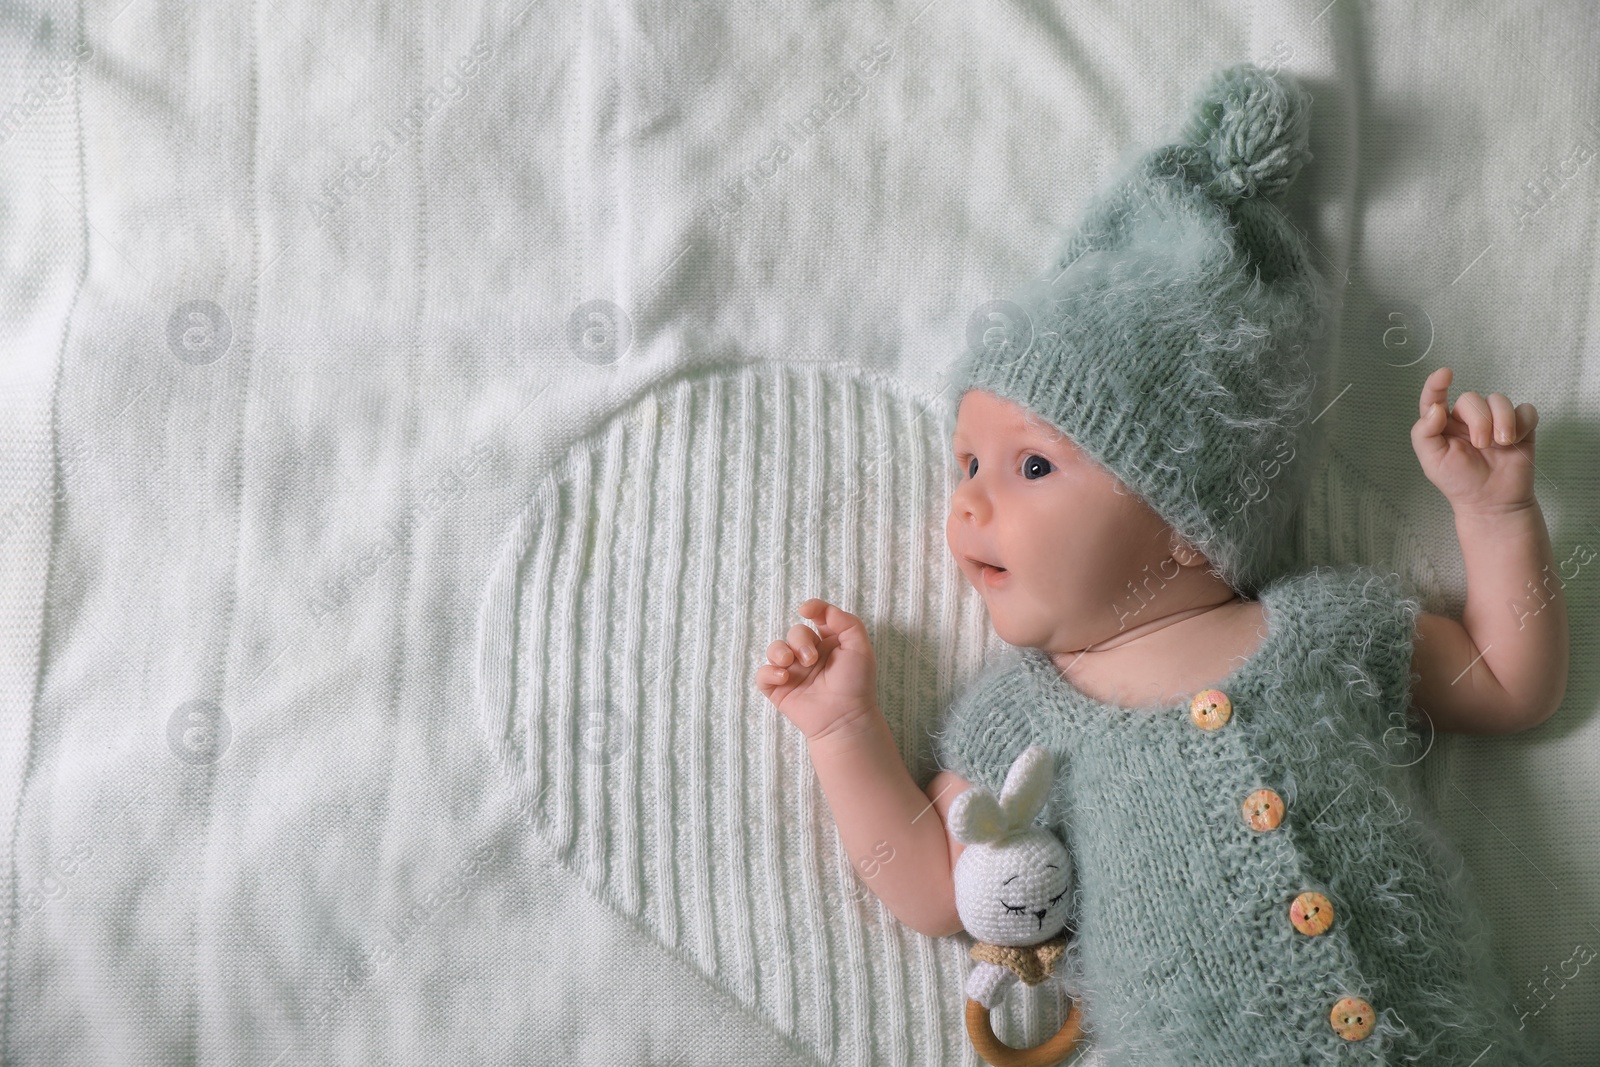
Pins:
x: 1311, y: 913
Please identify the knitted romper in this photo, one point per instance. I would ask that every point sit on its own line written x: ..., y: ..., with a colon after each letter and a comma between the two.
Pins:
x: 1184, y: 950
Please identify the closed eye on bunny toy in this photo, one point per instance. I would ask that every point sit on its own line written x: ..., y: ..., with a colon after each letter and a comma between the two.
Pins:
x: 1017, y: 909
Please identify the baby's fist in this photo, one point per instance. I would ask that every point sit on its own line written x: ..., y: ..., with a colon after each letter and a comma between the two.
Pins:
x: 825, y: 678
x: 1479, y: 453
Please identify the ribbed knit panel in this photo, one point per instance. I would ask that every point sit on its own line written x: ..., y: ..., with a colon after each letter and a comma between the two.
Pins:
x: 620, y: 634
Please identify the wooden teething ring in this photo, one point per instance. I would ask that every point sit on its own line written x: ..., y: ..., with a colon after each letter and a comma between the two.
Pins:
x: 999, y: 1054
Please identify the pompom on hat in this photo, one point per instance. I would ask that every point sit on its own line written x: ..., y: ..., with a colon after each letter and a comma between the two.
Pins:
x: 1173, y: 335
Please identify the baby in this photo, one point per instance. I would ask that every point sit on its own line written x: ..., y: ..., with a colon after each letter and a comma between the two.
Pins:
x: 1253, y: 886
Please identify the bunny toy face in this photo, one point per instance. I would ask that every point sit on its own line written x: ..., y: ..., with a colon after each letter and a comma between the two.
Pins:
x: 1012, y: 878
x: 1014, y: 893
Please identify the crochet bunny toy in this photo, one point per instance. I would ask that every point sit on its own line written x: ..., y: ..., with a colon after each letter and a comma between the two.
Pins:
x: 1011, y: 886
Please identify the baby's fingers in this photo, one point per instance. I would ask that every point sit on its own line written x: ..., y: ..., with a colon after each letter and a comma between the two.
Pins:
x: 1473, y: 410
x: 1502, y: 419
x: 781, y: 655
x: 1434, y: 391
x: 1427, y: 433
x: 785, y: 659
x: 836, y: 622
x: 803, y: 642
x: 1527, y: 419
x: 771, y: 675
x: 1511, y: 424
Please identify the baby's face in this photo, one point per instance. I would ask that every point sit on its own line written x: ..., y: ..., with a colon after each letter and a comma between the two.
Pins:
x: 1069, y: 535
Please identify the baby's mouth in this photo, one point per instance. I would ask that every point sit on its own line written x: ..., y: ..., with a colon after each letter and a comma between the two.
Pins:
x: 989, y: 572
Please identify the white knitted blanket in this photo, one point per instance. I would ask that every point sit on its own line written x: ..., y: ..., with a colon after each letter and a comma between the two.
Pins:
x: 415, y: 422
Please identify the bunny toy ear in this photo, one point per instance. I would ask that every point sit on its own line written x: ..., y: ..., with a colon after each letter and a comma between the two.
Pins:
x: 1027, y: 786
x: 975, y: 816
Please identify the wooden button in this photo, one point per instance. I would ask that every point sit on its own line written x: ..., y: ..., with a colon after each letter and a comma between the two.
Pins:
x: 1211, y: 709
x: 1352, y: 1018
x: 1263, y: 810
x: 1311, y: 913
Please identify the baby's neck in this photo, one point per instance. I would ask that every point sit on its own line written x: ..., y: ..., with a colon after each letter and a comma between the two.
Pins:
x: 1167, y: 659
x: 1144, y: 629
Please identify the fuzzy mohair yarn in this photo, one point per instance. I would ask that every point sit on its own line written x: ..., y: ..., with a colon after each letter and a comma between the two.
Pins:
x: 1185, y: 949
x: 1175, y: 336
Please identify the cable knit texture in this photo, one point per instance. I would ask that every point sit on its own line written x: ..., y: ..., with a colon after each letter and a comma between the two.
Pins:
x: 1184, y: 951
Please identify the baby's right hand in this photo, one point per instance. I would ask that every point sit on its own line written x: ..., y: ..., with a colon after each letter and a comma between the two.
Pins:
x: 822, y: 682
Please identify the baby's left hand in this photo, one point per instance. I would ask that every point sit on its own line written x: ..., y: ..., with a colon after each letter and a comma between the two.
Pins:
x: 1480, y: 454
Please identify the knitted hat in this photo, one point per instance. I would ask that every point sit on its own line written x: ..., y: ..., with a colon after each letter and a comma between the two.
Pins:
x: 1171, y: 339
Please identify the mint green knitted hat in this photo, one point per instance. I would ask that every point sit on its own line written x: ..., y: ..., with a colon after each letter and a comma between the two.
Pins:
x: 1172, y: 338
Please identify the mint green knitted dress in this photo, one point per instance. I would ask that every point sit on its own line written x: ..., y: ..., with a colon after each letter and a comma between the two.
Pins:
x: 1184, y: 951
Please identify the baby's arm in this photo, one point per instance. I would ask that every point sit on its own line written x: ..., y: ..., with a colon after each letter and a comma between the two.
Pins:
x: 894, y: 832
x: 824, y: 682
x: 1503, y: 668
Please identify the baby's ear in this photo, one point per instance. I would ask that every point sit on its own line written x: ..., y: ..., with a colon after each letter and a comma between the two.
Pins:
x: 1182, y: 552
x: 975, y: 817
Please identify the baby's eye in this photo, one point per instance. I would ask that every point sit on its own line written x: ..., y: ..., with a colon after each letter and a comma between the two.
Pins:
x: 1013, y: 907
x: 972, y: 467
x: 1033, y: 464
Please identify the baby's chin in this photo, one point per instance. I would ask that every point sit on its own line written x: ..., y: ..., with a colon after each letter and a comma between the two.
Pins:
x: 1006, y: 628
x: 1009, y: 623
x: 1020, y: 632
